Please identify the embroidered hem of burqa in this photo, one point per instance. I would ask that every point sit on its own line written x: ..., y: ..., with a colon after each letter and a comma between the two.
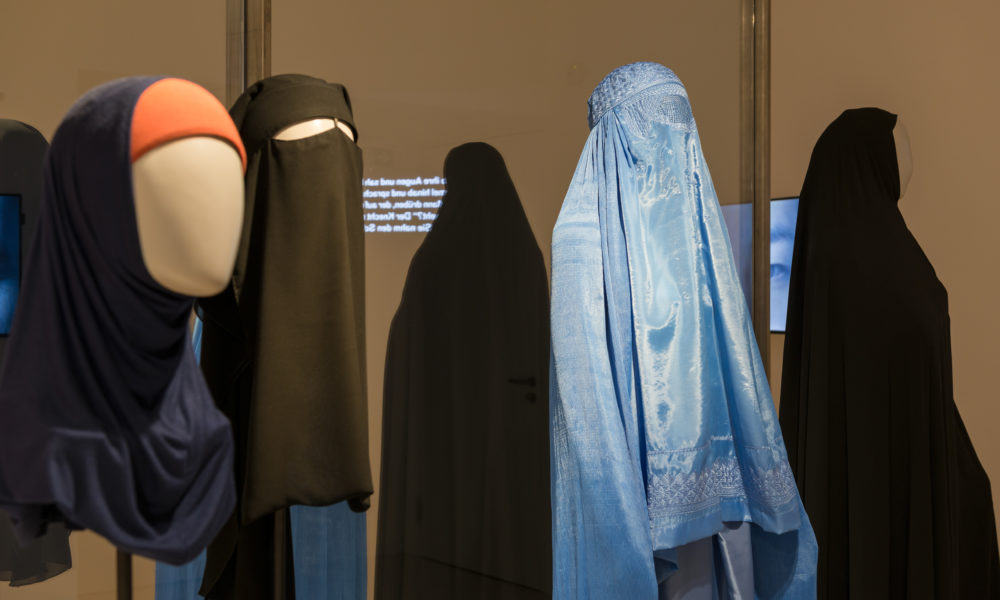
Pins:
x: 663, y: 427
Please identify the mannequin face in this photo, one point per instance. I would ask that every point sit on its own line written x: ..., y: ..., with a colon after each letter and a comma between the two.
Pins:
x: 903, y: 156
x: 189, y: 211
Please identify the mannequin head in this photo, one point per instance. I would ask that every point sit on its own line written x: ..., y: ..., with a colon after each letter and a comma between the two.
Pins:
x: 189, y: 212
x: 903, y: 155
x: 187, y: 183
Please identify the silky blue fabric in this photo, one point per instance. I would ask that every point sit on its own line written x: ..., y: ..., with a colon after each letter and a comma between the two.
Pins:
x: 663, y: 426
x: 328, y: 544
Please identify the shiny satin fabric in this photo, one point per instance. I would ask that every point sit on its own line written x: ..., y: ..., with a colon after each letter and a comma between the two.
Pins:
x: 663, y: 427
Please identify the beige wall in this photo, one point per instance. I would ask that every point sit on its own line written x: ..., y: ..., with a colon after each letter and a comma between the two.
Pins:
x: 934, y: 64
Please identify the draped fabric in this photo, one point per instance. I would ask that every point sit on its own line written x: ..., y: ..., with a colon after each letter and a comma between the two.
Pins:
x: 22, y: 155
x: 284, y: 345
x: 464, y: 496
x: 181, y: 582
x: 663, y: 430
x: 105, y: 420
x: 901, y: 505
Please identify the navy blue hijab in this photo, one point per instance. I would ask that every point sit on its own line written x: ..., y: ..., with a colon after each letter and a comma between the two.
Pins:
x: 105, y: 420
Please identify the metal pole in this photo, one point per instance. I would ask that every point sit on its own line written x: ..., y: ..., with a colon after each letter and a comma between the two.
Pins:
x: 248, y: 60
x: 123, y: 571
x: 762, y: 180
x: 755, y: 158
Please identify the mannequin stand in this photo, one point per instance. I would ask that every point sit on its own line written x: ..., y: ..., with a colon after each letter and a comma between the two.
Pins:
x: 123, y: 572
x: 281, y: 550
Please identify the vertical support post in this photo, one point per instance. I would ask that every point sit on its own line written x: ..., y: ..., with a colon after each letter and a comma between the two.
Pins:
x: 123, y: 574
x: 248, y: 44
x: 257, y: 41
x: 755, y: 157
x: 281, y: 550
x: 762, y: 180
x: 235, y: 82
x: 248, y: 60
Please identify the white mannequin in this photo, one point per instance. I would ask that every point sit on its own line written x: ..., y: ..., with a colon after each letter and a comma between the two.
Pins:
x: 304, y: 129
x: 189, y: 210
x: 903, y: 155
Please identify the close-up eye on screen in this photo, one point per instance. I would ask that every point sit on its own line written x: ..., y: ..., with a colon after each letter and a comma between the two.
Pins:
x: 739, y: 221
x: 783, y: 215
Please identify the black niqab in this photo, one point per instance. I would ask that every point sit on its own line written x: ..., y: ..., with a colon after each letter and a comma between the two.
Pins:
x: 105, y: 420
x: 464, y: 499
x: 900, y: 504
x: 283, y: 348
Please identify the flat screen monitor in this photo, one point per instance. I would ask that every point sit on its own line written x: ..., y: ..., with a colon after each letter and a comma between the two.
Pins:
x: 784, y: 212
x: 10, y: 258
x: 739, y: 221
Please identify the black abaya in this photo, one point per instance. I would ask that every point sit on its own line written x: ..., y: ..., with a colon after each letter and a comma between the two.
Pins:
x: 22, y: 155
x: 900, y: 504
x: 464, y: 498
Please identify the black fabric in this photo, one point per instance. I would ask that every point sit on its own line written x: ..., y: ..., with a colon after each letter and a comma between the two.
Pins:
x: 900, y: 504
x: 283, y: 348
x: 105, y: 420
x: 464, y: 506
x: 22, y: 154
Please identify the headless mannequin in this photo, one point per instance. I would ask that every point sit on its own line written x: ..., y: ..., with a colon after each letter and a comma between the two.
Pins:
x: 903, y: 155
x: 189, y: 211
x: 304, y: 129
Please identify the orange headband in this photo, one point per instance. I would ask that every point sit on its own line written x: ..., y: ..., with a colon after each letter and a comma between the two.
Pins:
x: 171, y: 109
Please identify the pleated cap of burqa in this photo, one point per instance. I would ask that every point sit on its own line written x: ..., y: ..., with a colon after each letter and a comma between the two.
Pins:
x: 464, y: 496
x: 901, y: 506
x: 283, y: 348
x: 22, y: 155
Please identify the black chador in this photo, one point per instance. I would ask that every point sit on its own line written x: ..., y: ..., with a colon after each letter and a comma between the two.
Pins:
x: 464, y: 497
x: 899, y: 501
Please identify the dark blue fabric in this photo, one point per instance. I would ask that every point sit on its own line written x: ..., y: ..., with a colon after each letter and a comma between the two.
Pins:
x: 105, y: 420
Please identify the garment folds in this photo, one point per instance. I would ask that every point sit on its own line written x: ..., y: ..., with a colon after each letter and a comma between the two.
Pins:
x: 283, y: 348
x: 105, y: 420
x: 22, y: 155
x: 663, y: 427
x: 902, y: 507
x: 464, y: 501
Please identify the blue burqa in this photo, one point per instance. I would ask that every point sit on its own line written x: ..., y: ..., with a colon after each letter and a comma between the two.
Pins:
x: 669, y: 473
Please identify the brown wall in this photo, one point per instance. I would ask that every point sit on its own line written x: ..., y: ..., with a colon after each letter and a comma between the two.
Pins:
x: 934, y: 64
